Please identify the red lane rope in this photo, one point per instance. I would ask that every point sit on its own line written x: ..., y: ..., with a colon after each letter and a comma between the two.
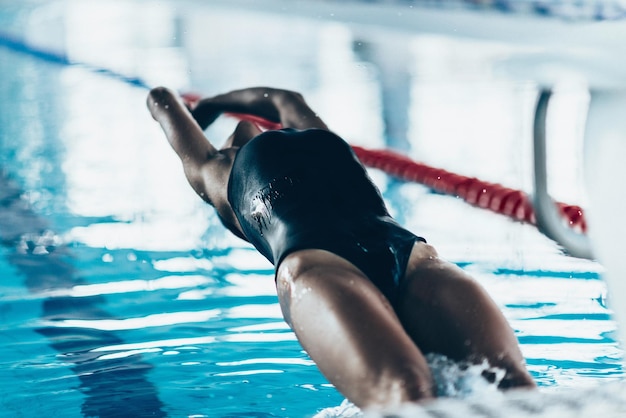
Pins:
x: 495, y: 197
x: 492, y: 196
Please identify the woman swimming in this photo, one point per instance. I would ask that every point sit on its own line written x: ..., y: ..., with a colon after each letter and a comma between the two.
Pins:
x: 365, y: 297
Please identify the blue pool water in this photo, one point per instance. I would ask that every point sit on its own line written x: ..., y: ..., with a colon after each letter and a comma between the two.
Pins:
x: 122, y: 295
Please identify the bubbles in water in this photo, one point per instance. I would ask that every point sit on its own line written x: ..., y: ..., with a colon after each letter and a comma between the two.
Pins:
x: 39, y: 244
x: 461, y: 379
x: 346, y: 410
x: 458, y: 380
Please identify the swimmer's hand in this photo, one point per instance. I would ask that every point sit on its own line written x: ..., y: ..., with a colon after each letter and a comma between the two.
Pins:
x: 275, y: 105
x: 162, y: 100
x: 252, y: 101
x: 205, y: 112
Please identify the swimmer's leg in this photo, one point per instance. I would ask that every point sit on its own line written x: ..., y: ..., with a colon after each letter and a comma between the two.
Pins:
x: 351, y: 332
x: 445, y: 311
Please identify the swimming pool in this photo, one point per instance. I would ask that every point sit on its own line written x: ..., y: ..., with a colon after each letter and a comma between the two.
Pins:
x: 122, y: 295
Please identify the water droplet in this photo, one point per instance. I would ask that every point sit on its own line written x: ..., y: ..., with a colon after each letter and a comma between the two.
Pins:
x: 265, y: 95
x: 107, y: 258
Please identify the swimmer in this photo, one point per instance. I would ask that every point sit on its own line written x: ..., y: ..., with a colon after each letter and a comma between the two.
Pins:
x: 366, y: 298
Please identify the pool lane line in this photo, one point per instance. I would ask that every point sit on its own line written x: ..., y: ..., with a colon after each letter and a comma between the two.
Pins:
x: 22, y: 46
x: 107, y: 384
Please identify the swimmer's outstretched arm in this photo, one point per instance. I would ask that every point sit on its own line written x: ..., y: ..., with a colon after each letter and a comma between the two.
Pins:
x: 182, y: 131
x: 282, y: 106
x: 207, y: 168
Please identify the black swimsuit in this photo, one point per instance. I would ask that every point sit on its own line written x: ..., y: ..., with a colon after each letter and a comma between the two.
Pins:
x: 294, y: 190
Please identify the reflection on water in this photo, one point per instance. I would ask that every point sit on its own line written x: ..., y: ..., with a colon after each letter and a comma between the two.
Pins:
x: 103, y: 383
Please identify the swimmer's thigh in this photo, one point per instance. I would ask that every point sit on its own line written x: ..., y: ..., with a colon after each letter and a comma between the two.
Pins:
x: 446, y: 311
x: 349, y: 329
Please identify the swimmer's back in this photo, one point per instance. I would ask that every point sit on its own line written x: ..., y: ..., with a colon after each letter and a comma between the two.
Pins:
x: 308, y: 180
x: 320, y: 160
